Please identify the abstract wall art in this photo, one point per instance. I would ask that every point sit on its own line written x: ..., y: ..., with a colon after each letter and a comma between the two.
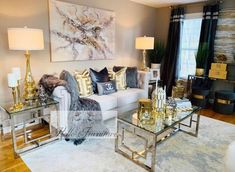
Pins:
x: 80, y: 32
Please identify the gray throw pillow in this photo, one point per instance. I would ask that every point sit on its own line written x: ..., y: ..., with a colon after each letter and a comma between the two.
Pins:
x: 131, y: 76
x: 105, y: 88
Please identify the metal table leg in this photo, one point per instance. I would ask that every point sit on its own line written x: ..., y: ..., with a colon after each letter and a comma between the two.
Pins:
x: 14, y: 136
x: 154, y: 153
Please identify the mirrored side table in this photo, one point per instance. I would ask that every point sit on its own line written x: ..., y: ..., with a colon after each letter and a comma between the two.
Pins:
x: 36, y: 124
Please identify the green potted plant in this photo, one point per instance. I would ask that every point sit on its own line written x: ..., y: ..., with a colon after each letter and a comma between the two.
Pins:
x: 201, y: 58
x: 156, y: 55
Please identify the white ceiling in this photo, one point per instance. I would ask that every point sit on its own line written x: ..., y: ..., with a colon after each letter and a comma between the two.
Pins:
x: 165, y: 3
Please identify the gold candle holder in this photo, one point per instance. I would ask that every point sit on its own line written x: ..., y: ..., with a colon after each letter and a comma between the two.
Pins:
x: 19, y: 103
x: 14, y: 107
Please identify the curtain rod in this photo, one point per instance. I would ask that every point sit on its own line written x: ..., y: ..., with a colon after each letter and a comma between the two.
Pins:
x: 201, y: 2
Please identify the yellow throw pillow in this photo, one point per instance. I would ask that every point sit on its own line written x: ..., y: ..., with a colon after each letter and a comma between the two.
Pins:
x: 120, y: 77
x: 84, y: 83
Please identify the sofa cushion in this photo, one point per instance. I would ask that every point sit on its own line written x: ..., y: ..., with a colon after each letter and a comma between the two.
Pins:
x: 101, y: 76
x: 105, y: 88
x: 120, y: 78
x: 128, y: 96
x: 131, y: 75
x: 84, y: 83
x: 107, y: 102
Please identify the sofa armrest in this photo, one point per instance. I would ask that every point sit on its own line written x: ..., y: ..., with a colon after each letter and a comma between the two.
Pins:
x: 61, y: 95
x: 143, y: 81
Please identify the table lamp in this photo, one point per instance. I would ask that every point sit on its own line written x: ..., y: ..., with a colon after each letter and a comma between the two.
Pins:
x: 26, y: 39
x: 144, y: 43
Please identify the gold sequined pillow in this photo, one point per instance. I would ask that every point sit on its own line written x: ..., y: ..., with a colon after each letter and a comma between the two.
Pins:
x: 84, y: 83
x: 119, y: 77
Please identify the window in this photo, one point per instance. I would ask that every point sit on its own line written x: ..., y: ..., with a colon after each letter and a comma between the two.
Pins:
x: 189, y: 45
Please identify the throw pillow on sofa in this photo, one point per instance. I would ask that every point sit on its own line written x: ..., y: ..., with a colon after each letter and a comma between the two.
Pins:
x: 84, y: 83
x: 101, y: 76
x: 120, y: 78
x: 131, y: 76
x: 105, y: 88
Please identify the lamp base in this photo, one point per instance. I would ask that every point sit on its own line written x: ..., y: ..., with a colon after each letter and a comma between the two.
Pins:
x: 29, y: 83
x: 29, y: 90
x: 146, y: 69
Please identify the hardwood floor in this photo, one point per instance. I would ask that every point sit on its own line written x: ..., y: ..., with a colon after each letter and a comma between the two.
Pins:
x: 8, y: 163
x: 211, y: 114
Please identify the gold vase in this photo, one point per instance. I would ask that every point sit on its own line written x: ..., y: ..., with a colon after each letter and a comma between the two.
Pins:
x: 199, y: 71
x: 29, y: 83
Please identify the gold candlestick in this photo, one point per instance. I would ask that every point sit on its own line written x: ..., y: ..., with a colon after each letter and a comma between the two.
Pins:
x: 19, y: 103
x: 14, y: 107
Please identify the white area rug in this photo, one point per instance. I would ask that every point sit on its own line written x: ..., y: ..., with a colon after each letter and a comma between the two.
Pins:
x: 180, y: 153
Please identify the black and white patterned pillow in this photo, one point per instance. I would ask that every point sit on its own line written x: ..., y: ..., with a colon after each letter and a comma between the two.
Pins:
x: 105, y: 88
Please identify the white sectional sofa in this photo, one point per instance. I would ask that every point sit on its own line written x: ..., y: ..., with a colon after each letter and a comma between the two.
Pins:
x: 111, y: 104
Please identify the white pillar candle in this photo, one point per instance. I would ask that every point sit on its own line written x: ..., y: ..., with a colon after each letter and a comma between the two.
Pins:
x: 12, y: 80
x: 16, y: 71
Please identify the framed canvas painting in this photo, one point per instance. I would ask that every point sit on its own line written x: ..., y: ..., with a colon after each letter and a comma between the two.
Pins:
x: 80, y: 32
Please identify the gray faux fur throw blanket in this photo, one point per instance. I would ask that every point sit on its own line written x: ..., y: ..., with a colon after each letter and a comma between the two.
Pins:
x: 85, y: 116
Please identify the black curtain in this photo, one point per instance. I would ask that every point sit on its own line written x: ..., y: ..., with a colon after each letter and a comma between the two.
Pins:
x: 169, y: 64
x: 208, y: 31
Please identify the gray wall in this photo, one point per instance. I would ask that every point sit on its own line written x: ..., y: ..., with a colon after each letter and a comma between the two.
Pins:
x: 163, y: 19
x: 131, y: 20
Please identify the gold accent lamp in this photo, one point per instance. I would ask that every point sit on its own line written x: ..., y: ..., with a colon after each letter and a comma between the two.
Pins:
x: 144, y: 43
x: 26, y: 39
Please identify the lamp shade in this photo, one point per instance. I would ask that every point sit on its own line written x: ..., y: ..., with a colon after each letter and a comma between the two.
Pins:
x: 144, y: 43
x: 25, y: 39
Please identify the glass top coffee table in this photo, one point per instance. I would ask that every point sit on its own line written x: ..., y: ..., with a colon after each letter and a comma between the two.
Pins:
x: 137, y: 139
